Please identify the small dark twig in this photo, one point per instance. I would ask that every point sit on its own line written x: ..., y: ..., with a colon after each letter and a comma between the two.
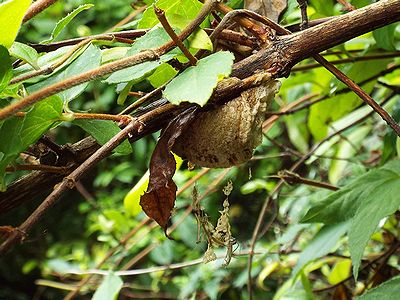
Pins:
x: 360, y: 92
x: 43, y: 168
x: 142, y: 100
x: 304, y: 16
x: 127, y: 35
x: 164, y: 22
x: 292, y: 178
x: 348, y: 60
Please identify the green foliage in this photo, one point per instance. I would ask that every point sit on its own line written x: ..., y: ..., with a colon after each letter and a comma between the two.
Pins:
x: 323, y: 242
x: 66, y: 20
x: 178, y: 12
x: 152, y: 39
x: 109, y: 288
x: 103, y: 131
x: 25, y: 53
x: 197, y: 83
x: 324, y: 113
x: 386, y: 291
x: 20, y: 132
x: 358, y: 202
x: 385, y: 37
x: 11, y: 15
x: 5, y: 68
x: 88, y: 60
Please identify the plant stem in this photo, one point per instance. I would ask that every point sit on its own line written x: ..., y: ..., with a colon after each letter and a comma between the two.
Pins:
x: 164, y: 22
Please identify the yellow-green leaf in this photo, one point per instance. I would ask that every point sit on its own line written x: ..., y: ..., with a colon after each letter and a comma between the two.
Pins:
x: 11, y: 15
x: 197, y: 83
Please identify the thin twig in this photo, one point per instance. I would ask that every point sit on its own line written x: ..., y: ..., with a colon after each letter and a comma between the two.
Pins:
x: 124, y: 119
x: 304, y: 16
x: 58, y: 63
x: 294, y: 178
x: 360, y: 92
x: 142, y: 100
x: 347, y: 60
x: 347, y: 5
x: 128, y: 18
x: 164, y: 22
x: 290, y: 111
x: 125, y: 35
x: 36, y: 8
x: 154, y: 269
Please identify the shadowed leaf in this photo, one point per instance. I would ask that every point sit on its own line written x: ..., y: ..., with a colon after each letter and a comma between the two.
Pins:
x: 159, y: 199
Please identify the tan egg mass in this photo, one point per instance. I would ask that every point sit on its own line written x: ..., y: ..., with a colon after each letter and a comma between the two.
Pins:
x: 227, y: 136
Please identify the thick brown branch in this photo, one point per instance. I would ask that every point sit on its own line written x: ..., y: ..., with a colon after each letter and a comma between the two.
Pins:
x: 289, y: 50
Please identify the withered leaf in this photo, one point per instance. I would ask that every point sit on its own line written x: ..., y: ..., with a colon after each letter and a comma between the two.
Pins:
x: 268, y: 8
x: 159, y: 199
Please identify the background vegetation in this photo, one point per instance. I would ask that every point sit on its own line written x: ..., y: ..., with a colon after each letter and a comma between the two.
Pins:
x: 298, y: 255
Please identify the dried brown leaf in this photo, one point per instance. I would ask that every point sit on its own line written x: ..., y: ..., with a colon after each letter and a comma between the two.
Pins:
x: 268, y: 8
x: 159, y: 199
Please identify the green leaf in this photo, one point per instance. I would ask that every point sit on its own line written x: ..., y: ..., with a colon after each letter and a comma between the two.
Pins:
x: 385, y: 37
x: 324, y: 113
x: 25, y: 53
x: 347, y: 149
x: 164, y: 253
x: 66, y: 20
x: 323, y: 243
x: 162, y: 75
x: 11, y: 14
x: 131, y: 200
x: 138, y: 72
x: 109, y: 288
x: 46, y: 60
x: 21, y: 132
x: 5, y: 68
x: 153, y: 39
x: 388, y: 290
x: 200, y: 40
x: 365, y: 201
x: 124, y: 93
x: 103, y: 131
x: 188, y: 9
x: 88, y: 60
x: 340, y: 271
x: 197, y: 83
